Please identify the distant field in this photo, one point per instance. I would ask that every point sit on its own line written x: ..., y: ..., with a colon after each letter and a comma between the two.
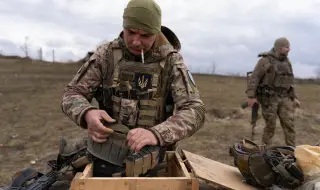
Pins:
x: 31, y: 119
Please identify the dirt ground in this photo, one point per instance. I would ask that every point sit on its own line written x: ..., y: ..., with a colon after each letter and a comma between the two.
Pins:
x: 31, y: 120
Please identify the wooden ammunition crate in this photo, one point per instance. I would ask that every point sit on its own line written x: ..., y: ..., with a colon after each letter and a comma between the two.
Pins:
x: 184, y: 171
x: 175, y: 177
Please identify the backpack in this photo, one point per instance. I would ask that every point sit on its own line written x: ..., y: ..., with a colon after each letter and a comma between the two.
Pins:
x: 265, y: 167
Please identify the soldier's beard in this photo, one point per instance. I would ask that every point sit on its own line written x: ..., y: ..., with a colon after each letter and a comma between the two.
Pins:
x: 283, y: 56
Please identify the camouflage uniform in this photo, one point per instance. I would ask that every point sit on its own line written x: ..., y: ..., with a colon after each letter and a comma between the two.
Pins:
x: 136, y: 90
x: 272, y: 84
x: 190, y: 111
x: 175, y: 81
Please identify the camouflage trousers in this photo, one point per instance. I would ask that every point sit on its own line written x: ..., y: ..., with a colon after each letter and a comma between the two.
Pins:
x: 283, y: 108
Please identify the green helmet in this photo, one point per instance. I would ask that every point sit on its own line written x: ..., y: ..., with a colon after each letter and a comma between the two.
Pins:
x: 263, y: 167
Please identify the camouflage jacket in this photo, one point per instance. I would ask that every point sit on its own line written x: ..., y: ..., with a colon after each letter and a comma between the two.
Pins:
x: 263, y: 74
x: 189, y: 109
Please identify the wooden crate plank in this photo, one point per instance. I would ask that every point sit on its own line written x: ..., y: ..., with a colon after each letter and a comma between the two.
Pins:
x: 162, y: 183
x: 178, y: 180
x: 215, y: 172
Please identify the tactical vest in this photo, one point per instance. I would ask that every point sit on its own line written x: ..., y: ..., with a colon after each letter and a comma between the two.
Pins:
x: 263, y: 167
x: 137, y: 97
x: 279, y: 76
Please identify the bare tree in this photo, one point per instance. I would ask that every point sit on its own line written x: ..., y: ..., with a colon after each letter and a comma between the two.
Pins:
x: 25, y: 46
x: 53, y: 56
x: 40, y: 54
x: 213, y: 67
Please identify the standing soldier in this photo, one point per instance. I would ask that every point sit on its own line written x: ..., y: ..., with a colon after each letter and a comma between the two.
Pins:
x: 138, y: 79
x: 272, y: 85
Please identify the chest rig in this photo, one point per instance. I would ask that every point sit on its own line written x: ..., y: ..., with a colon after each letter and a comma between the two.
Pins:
x: 136, y: 95
x: 283, y: 75
x: 279, y: 76
x: 138, y: 92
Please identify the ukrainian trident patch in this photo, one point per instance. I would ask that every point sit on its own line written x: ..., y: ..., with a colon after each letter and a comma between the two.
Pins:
x: 143, y: 81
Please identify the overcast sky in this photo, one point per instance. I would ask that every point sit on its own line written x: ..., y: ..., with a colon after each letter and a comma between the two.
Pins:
x: 228, y: 33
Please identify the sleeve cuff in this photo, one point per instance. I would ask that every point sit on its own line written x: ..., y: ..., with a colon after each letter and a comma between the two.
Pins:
x: 81, y: 121
x: 157, y: 135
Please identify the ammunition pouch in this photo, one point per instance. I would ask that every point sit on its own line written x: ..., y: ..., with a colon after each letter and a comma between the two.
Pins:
x: 144, y: 163
x: 115, y: 149
x: 112, y: 150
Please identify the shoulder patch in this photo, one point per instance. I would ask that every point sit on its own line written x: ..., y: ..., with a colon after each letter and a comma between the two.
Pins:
x: 191, y: 78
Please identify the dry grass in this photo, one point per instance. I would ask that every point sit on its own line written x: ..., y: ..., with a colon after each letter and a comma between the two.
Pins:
x: 31, y: 119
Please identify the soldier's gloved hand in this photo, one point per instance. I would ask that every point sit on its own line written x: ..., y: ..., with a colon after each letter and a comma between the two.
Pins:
x: 139, y: 137
x: 96, y: 130
x: 252, y: 101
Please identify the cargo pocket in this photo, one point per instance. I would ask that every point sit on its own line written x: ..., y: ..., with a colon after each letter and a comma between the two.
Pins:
x: 264, y: 101
x: 128, y: 112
